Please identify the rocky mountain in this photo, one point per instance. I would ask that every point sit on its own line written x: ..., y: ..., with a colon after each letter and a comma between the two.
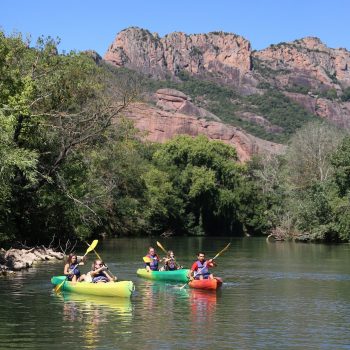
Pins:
x: 174, y: 118
x: 217, y: 77
x: 224, y: 55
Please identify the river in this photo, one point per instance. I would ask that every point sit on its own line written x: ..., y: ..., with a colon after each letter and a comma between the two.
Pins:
x: 275, y: 296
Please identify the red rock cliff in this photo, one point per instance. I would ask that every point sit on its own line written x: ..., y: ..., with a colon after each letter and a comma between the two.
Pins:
x: 159, y: 126
x: 213, y: 53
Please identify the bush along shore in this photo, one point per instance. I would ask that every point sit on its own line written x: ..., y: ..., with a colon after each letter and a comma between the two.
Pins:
x: 18, y: 259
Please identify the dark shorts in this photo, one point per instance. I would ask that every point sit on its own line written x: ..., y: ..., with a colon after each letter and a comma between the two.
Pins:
x: 205, y: 276
x: 99, y: 279
x: 70, y: 277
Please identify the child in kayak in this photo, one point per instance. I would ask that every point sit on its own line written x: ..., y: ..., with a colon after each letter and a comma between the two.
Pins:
x: 98, y: 272
x: 200, y: 268
x: 71, y: 268
x: 170, y: 263
x: 151, y: 260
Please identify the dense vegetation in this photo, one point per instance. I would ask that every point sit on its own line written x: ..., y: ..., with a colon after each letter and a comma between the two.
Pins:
x: 72, y: 166
x: 308, y: 189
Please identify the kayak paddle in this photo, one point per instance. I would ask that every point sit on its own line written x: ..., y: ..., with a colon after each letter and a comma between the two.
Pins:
x: 98, y: 257
x: 220, y: 252
x: 161, y: 247
x: 91, y: 247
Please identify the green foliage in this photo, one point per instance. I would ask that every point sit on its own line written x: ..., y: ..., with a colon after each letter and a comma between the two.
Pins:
x: 307, y: 190
x: 213, y: 193
x: 342, y: 219
x: 281, y: 111
x: 341, y: 163
x: 331, y: 94
x: 346, y: 94
x: 298, y: 89
x: 164, y: 208
x: 195, y: 52
x: 53, y: 109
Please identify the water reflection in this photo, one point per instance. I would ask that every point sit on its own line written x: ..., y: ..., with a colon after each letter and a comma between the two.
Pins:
x: 86, y: 316
x: 202, y: 305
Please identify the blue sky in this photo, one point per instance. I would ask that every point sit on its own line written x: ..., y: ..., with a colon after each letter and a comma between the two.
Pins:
x: 93, y: 24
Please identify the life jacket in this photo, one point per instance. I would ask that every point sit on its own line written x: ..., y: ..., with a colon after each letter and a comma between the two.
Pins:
x: 171, y: 265
x: 202, y: 269
x: 76, y: 271
x: 100, y: 277
x: 154, y: 263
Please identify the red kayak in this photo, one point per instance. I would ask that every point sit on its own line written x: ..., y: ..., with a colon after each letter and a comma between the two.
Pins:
x: 206, y: 284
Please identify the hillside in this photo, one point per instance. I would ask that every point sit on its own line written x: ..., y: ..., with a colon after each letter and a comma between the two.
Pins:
x: 269, y: 93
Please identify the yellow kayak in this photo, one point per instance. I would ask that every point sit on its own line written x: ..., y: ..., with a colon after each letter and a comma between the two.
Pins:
x: 122, y: 289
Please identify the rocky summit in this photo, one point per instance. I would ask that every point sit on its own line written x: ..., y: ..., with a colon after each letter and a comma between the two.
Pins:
x: 269, y: 93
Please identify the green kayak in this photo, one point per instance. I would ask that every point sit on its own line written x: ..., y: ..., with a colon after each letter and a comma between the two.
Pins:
x: 171, y: 276
x: 112, y: 289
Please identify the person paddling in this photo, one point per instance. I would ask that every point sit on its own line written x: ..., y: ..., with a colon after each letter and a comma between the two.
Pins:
x: 200, y: 268
x: 153, y: 258
x: 71, y: 268
x: 98, y: 272
x: 170, y: 263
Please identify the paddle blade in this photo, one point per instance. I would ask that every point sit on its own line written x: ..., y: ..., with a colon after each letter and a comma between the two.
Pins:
x: 182, y: 287
x: 59, y: 286
x: 161, y: 247
x: 146, y: 259
x: 92, y: 246
x: 98, y: 256
x: 221, y: 251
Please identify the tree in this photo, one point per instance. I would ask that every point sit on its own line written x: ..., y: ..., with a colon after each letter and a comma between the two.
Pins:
x: 309, y: 154
x: 209, y: 190
x: 55, y: 108
x: 346, y: 94
x: 341, y: 162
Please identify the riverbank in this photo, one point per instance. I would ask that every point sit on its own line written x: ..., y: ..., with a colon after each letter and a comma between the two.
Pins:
x: 13, y: 260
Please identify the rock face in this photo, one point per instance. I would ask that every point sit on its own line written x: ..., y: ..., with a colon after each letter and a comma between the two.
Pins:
x: 159, y: 126
x: 308, y: 62
x: 18, y: 259
x: 176, y: 101
x: 259, y: 120
x: 305, y: 70
x: 216, y: 53
x: 336, y: 112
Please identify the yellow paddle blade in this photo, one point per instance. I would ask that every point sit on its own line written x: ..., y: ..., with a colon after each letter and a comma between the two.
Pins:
x: 59, y: 286
x: 161, y: 247
x: 146, y: 259
x: 98, y: 256
x: 221, y: 251
x: 92, y: 246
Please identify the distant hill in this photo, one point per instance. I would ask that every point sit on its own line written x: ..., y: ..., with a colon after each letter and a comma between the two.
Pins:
x: 268, y: 93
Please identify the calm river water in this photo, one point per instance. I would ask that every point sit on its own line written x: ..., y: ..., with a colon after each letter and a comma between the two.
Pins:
x: 275, y: 296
